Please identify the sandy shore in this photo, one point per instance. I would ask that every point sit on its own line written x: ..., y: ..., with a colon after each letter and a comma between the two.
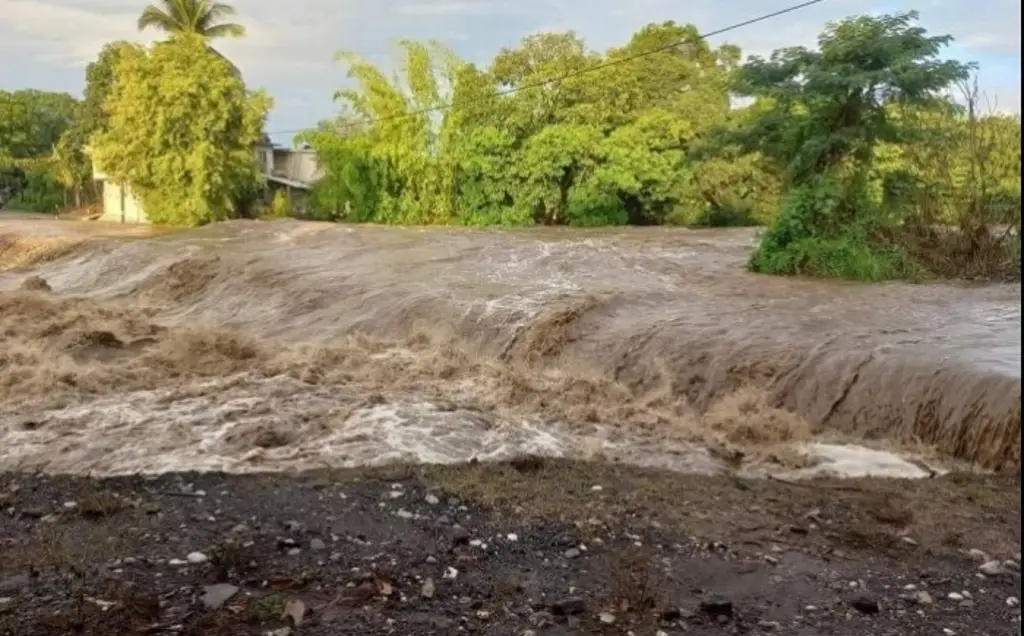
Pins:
x: 526, y: 547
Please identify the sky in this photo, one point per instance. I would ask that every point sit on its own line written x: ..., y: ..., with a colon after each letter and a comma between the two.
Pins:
x: 290, y: 47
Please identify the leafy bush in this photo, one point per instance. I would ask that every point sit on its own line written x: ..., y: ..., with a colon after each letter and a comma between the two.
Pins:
x: 41, y: 193
x: 280, y: 206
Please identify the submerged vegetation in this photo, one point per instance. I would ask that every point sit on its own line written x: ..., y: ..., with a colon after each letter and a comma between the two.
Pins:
x: 869, y: 157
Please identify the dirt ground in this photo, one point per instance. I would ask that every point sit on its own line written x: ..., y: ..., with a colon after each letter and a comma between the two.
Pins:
x: 526, y: 547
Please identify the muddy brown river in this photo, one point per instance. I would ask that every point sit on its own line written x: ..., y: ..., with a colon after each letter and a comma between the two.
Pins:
x: 283, y: 345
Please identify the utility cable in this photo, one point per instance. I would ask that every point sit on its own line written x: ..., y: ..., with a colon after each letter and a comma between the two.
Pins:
x: 561, y: 78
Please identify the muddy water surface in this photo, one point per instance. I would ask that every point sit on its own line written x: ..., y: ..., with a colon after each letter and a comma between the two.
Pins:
x: 253, y: 345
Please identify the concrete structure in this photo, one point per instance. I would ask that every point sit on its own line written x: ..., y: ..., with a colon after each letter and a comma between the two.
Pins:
x: 120, y: 205
x: 294, y: 170
x: 291, y: 167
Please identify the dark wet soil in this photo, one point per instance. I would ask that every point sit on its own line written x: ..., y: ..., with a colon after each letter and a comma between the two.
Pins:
x: 527, y: 547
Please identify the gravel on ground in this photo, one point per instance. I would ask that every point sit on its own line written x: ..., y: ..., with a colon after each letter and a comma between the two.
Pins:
x: 526, y: 547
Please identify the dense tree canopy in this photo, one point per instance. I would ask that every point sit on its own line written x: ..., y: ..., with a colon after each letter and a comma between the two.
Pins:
x: 845, y: 127
x: 32, y: 121
x: 852, y: 152
x: 45, y: 137
x: 608, y: 146
x: 194, y: 159
x: 838, y: 147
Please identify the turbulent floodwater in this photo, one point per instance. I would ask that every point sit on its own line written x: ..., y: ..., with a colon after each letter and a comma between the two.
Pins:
x: 287, y: 345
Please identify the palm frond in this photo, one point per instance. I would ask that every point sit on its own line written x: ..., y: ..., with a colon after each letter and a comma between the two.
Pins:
x: 220, y: 10
x: 224, y: 30
x: 156, y: 18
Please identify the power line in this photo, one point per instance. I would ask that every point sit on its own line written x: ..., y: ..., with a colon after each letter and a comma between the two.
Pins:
x: 573, y: 74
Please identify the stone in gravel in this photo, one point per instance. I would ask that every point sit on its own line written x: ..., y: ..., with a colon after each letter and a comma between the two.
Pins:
x: 991, y: 568
x: 427, y: 590
x: 569, y: 606
x: 215, y: 596
x: 1013, y: 601
x: 196, y: 558
x: 14, y: 583
x: 978, y: 554
x: 865, y: 604
x: 460, y: 537
x: 924, y: 598
x: 955, y: 596
x: 432, y: 500
x: 292, y: 526
x: 571, y: 553
x: 606, y: 617
x: 716, y: 605
x: 317, y: 545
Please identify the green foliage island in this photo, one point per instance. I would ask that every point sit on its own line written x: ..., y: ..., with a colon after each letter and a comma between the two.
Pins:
x: 871, y: 156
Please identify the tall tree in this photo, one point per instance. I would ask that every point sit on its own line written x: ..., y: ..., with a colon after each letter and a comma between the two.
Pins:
x: 70, y: 161
x: 31, y: 122
x: 194, y: 163
x: 199, y: 17
x: 831, y: 110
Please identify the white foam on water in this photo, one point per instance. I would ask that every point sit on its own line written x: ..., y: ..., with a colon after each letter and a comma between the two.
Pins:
x: 246, y: 424
x: 850, y: 461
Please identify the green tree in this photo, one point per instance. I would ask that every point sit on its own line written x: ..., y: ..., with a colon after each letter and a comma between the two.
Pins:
x: 831, y: 109
x: 515, y: 148
x: 71, y: 163
x: 92, y: 116
x: 198, y: 17
x: 31, y: 122
x: 395, y: 169
x: 194, y: 161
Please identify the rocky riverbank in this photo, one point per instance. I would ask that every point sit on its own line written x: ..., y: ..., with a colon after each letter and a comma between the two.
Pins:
x: 527, y: 547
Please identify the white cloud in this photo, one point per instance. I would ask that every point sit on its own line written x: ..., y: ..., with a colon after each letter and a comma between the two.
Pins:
x: 290, y: 45
x: 447, y: 9
x: 60, y: 33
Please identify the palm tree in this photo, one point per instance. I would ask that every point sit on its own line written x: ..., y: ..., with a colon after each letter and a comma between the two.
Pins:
x: 201, y: 17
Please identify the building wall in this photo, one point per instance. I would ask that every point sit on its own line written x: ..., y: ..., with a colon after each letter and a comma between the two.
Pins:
x: 265, y: 158
x: 297, y: 165
x: 121, y: 209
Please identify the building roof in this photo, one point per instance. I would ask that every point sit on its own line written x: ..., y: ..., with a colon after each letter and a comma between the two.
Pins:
x: 288, y: 182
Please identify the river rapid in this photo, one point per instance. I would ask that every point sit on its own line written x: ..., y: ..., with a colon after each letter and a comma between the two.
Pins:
x: 255, y: 346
